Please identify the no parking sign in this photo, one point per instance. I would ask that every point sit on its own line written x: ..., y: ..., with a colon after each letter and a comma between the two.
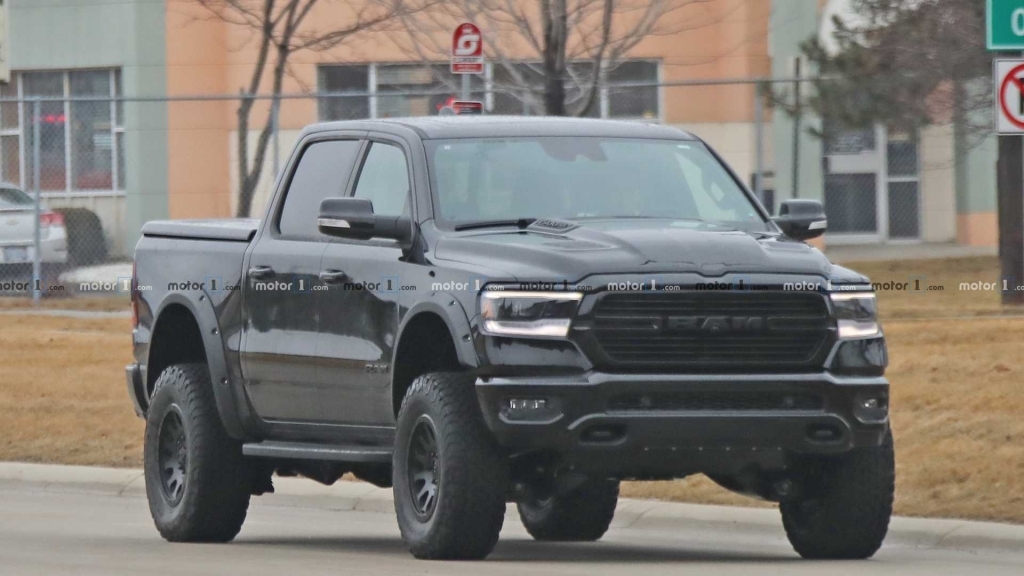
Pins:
x: 1009, y: 76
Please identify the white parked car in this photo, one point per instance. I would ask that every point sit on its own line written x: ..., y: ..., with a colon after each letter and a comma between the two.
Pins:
x: 16, y: 230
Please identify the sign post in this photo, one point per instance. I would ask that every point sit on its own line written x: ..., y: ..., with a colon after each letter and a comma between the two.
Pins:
x: 467, y: 53
x: 1004, y: 30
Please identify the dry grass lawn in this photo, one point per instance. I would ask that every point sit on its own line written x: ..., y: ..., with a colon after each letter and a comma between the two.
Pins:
x: 930, y: 275
x: 956, y: 372
x: 92, y: 303
x: 62, y: 391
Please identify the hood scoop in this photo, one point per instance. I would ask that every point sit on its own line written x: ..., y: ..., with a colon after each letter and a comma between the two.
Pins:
x: 552, y: 226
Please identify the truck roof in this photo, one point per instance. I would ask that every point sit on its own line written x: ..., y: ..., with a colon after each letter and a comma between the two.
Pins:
x: 442, y: 127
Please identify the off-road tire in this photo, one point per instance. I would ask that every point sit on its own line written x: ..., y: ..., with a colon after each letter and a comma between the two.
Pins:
x: 582, y: 515
x: 472, y: 471
x: 215, y: 494
x: 845, y: 506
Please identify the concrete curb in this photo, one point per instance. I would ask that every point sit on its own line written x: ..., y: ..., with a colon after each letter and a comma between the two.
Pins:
x: 630, y: 514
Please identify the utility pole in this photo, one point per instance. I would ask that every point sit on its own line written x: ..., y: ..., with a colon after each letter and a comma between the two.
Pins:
x: 797, y: 121
x: 37, y: 185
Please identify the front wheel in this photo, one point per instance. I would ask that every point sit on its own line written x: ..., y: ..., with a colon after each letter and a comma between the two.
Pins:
x: 845, y: 506
x: 449, y: 475
x: 582, y: 515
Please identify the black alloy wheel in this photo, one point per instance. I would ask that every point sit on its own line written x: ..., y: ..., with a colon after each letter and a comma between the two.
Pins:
x: 424, y: 476
x: 173, y: 456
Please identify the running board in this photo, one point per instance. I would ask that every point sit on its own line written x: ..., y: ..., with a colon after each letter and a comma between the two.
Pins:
x: 305, y: 451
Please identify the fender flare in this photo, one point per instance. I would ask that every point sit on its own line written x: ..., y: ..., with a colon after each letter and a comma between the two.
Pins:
x: 454, y: 315
x: 206, y: 318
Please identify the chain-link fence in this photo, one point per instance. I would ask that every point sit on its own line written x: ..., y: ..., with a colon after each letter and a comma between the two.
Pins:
x: 100, y: 164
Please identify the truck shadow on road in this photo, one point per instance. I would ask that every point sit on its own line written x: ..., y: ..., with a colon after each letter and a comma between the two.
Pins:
x: 528, y: 551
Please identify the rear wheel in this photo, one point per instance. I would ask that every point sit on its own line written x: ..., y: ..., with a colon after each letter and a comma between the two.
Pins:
x: 196, y: 477
x: 846, y: 504
x: 582, y: 515
x: 449, y: 475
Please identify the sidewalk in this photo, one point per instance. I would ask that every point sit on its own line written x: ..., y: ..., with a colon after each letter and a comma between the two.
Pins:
x: 630, y: 514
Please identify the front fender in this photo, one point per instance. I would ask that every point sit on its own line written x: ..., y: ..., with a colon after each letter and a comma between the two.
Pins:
x: 454, y: 315
x: 224, y: 391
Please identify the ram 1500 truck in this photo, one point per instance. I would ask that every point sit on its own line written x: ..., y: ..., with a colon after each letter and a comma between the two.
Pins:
x: 482, y: 310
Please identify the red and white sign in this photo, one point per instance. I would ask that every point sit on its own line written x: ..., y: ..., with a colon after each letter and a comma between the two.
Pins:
x: 467, y: 50
x: 1009, y: 76
x: 453, y: 107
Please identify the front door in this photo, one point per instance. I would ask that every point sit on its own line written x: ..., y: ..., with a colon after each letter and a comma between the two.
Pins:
x: 361, y: 311
x: 281, y: 320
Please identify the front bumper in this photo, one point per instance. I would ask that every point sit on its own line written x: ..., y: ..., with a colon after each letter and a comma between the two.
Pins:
x: 651, y: 417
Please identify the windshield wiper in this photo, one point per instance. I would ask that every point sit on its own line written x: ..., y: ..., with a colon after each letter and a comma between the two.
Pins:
x: 521, y: 223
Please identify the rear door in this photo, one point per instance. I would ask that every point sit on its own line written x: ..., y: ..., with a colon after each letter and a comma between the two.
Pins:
x: 363, y: 304
x: 281, y: 319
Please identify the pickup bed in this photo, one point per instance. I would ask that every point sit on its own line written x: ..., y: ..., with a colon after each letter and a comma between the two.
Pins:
x: 482, y: 310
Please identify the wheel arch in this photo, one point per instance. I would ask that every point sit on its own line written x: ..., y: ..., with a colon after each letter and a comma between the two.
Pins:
x: 420, y: 350
x: 186, y: 330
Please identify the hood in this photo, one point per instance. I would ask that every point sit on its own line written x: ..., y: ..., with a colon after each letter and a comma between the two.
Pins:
x: 574, y: 251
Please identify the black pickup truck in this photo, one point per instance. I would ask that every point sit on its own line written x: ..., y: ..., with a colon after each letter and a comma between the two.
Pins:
x: 486, y: 310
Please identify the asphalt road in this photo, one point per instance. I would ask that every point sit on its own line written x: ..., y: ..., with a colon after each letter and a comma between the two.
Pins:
x: 47, y: 532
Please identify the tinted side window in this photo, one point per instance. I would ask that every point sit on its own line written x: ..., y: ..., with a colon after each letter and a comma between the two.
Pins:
x: 385, y: 180
x: 322, y: 173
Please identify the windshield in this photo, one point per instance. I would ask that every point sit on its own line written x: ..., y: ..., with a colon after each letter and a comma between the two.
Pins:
x: 576, y: 178
x: 12, y: 197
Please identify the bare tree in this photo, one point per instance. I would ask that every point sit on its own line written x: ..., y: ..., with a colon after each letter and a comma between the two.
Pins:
x: 554, y: 54
x: 280, y: 29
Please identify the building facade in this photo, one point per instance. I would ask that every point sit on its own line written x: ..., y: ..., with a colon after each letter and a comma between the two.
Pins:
x: 148, y: 158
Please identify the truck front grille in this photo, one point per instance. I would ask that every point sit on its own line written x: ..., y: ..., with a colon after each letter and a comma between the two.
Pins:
x: 715, y: 401
x: 704, y: 330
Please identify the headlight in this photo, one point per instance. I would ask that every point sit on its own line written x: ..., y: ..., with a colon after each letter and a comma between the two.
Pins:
x: 542, y: 314
x: 856, y: 313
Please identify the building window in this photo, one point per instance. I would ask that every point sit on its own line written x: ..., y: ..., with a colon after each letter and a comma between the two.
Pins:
x: 903, y: 173
x: 840, y: 140
x: 10, y: 132
x: 343, y: 79
x: 390, y: 90
x: 81, y: 131
x: 639, y: 100
x: 851, y: 203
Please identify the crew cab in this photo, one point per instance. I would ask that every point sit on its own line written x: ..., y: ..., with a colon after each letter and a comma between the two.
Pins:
x: 482, y: 310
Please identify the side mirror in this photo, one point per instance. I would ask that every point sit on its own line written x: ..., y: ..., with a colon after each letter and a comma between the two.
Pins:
x: 801, y: 219
x: 354, y: 218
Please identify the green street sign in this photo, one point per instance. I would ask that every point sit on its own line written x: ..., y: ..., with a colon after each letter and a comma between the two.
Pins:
x: 1005, y: 24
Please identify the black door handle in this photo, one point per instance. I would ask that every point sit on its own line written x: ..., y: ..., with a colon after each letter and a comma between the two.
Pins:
x: 260, y: 271
x: 332, y: 276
